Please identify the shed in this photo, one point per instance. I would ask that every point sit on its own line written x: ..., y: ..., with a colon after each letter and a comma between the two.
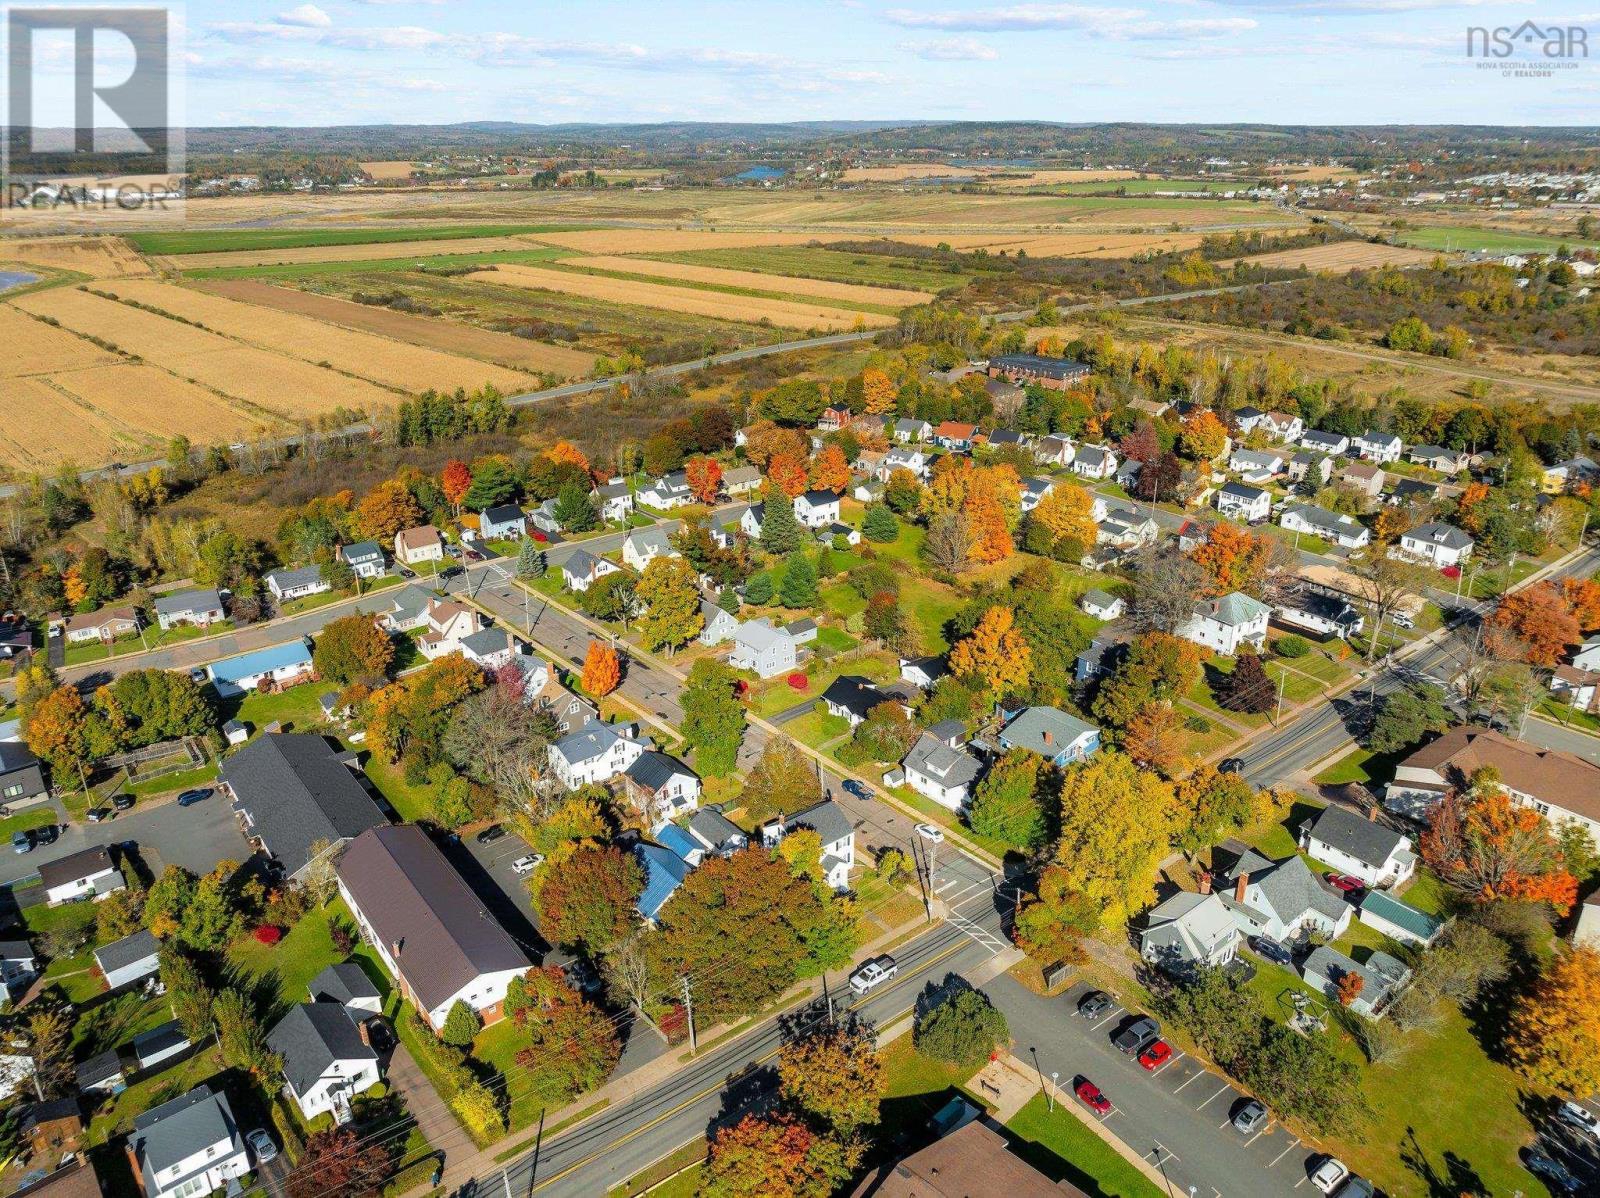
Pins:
x: 129, y: 960
x: 159, y: 1044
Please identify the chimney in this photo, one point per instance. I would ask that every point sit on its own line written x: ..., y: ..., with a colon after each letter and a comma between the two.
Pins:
x: 1372, y: 812
x: 1205, y: 881
x: 1239, y: 885
x: 1049, y: 737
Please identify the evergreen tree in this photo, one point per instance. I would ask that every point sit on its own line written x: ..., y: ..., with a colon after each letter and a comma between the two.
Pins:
x: 799, y: 585
x: 461, y: 1025
x: 759, y: 589
x: 780, y: 531
x: 575, y: 510
x: 728, y: 601
x: 880, y: 525
x: 530, y: 560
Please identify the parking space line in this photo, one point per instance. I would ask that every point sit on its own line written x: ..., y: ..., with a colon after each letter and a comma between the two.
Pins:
x: 1285, y: 1152
x: 1195, y: 1078
x: 1267, y: 1130
x: 1223, y: 1089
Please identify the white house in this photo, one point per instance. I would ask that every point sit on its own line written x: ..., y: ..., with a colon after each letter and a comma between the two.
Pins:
x: 1250, y: 504
x: 1436, y: 542
x: 1362, y: 848
x: 365, y: 559
x: 490, y: 648
x: 189, y: 1146
x: 1247, y: 418
x: 1256, y: 465
x: 86, y: 874
x: 1319, y: 613
x: 286, y: 584
x: 18, y: 967
x: 667, y: 492
x: 716, y: 624
x: 1094, y: 461
x: 1189, y: 930
x: 907, y: 430
x: 816, y: 508
x: 833, y: 827
x: 1399, y: 920
x: 1332, y: 444
x: 1034, y: 490
x: 662, y: 788
x: 1054, y: 451
x: 1344, y: 531
x: 448, y: 623
x: 326, y: 1060
x: 347, y: 985
x: 741, y: 480
x: 503, y: 522
x: 1382, y: 977
x: 614, y: 500
x: 583, y: 569
x: 1281, y: 426
x: 1103, y: 605
x: 1227, y: 623
x: 1437, y: 457
x: 1378, y: 448
x: 941, y: 770
x: 913, y: 460
x: 414, y: 546
x: 643, y: 545
x: 130, y: 959
x: 188, y: 607
x: 760, y: 647
x: 1282, y: 900
x: 922, y: 672
x: 596, y: 753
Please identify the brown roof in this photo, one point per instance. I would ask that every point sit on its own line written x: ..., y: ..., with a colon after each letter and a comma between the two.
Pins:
x: 969, y: 1162
x: 1363, y: 470
x: 101, y: 617
x: 419, y: 537
x: 75, y: 1181
x: 954, y: 428
x: 1549, y: 775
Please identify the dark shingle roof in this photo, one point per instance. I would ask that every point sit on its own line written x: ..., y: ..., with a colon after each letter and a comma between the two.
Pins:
x: 654, y: 770
x: 175, y: 1131
x: 311, y: 1037
x: 413, y: 899
x: 119, y: 954
x: 827, y: 819
x: 854, y: 693
x: 504, y: 513
x: 102, y: 1067
x: 1364, y: 839
x: 297, y: 792
x: 180, y: 602
x: 85, y: 863
x: 342, y: 983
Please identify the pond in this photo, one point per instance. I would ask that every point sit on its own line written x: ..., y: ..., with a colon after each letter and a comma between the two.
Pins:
x: 15, y: 278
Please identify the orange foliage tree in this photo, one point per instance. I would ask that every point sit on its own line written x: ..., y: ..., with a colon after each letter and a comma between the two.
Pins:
x: 388, y: 508
x: 601, y: 670
x: 1541, y: 617
x: 1349, y: 987
x: 1554, y: 1030
x: 1583, y: 597
x: 1489, y: 848
x: 1469, y: 512
x: 1204, y: 437
x: 986, y: 519
x: 996, y: 654
x: 704, y: 476
x: 764, y: 440
x: 1068, y: 511
x: 829, y: 470
x: 454, y: 480
x: 73, y: 586
x: 566, y: 453
x: 787, y: 473
x: 1155, y: 737
x: 1234, y: 559
x: 877, y: 390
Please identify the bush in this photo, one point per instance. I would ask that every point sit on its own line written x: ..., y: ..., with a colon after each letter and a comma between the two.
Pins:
x: 269, y: 933
x: 1292, y: 646
x: 461, y: 1025
x: 964, y: 1030
x: 1198, y: 723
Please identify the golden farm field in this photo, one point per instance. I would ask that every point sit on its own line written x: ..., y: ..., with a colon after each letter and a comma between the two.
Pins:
x: 33, y: 347
x: 683, y: 299
x: 852, y: 293
x: 1342, y: 256
x: 45, y: 428
x: 663, y: 241
x: 391, y: 363
x: 97, y: 257
x: 298, y: 255
x: 142, y: 399
x: 1070, y: 245
x: 387, y: 170
x: 925, y: 170
x: 283, y: 386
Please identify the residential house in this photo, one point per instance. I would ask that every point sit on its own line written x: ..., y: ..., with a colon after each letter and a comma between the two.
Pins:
x: 664, y: 872
x: 852, y: 697
x: 922, y: 672
x: 1309, y: 610
x: 53, y: 1132
x: 277, y: 667
x: 1103, y: 605
x: 105, y: 624
x: 1437, y: 457
x: 1154, y: 409
x: 17, y: 1069
x: 1563, y: 476
x: 1334, y: 527
x: 203, y: 608
x: 914, y: 460
x: 596, y: 752
x: 583, y: 569
x: 1576, y: 687
x: 1282, y: 900
x: 1226, y: 623
x: 414, y: 546
x: 833, y: 419
x: 1305, y: 465
x: 491, y: 648
x: 1058, y: 737
x: 727, y: 526
x: 1247, y: 419
x: 1382, y: 977
x: 86, y: 874
x: 869, y: 490
x: 1055, y: 374
x: 1241, y: 502
x: 1124, y: 527
x: 956, y: 435
x: 1187, y: 931
x: 1331, y: 444
x: 503, y: 522
x: 1281, y: 426
x: 426, y: 925
x: 1436, y: 542
x: 1399, y: 920
x: 326, y: 1059
x: 833, y: 827
x: 21, y: 774
x: 1006, y: 436
x: 347, y: 985
x: 803, y: 631
x: 970, y: 1157
x: 643, y: 545
x: 297, y: 798
x: 128, y: 961
x: 1562, y: 787
x: 759, y: 647
x: 939, y: 768
x: 1256, y: 465
x: 75, y: 1179
x: 286, y: 584
x: 716, y: 625
x: 1378, y: 448
x: 741, y: 480
x: 1128, y: 474
x: 1360, y: 847
x: 908, y: 430
x: 189, y: 1146
x: 716, y: 833
x: 814, y: 509
x: 407, y: 611
x: 103, y: 1073
x: 1034, y: 490
x: 667, y: 492
x: 569, y: 711
x: 542, y: 517
x: 18, y: 967
x: 1054, y: 451
x: 613, y: 500
x: 1094, y: 461
x: 365, y: 558
x: 1194, y: 533
x: 1363, y: 477
x: 448, y: 624
x: 661, y: 788
x: 1415, y: 490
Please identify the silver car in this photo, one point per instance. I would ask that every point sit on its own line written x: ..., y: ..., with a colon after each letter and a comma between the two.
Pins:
x: 873, y: 974
x: 261, y: 1144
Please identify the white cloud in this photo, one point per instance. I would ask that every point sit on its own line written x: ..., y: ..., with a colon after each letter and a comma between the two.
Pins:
x: 1117, y: 23
x: 952, y: 49
x: 308, y: 16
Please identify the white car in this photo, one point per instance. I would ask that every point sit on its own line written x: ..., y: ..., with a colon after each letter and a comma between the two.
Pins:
x: 931, y: 832
x: 1580, y: 1117
x: 526, y: 865
x: 1330, y: 1175
x: 873, y: 974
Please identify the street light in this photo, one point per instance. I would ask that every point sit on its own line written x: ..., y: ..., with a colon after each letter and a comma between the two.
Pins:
x: 1050, y: 1096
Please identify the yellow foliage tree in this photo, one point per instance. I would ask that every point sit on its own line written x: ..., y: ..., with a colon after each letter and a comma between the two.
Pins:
x: 1117, y: 822
x: 1068, y: 511
x: 877, y: 390
x: 73, y: 586
x: 1554, y: 1039
x: 996, y: 653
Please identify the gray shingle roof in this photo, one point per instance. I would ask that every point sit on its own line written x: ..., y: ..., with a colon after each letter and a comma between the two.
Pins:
x: 175, y: 1131
x: 1028, y: 729
x: 180, y: 602
x: 1291, y: 889
x: 1366, y: 840
x: 121, y: 953
x: 932, y: 758
x: 342, y: 983
x: 580, y: 564
x: 288, y: 579
x: 362, y: 551
x: 486, y: 641
x: 653, y: 770
x: 713, y: 828
x: 827, y: 819
x: 1440, y: 534
x: 311, y: 1037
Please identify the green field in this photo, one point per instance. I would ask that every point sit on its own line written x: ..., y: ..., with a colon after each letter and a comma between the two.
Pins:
x: 804, y: 262
x: 296, y: 270
x: 1452, y: 237
x: 205, y: 241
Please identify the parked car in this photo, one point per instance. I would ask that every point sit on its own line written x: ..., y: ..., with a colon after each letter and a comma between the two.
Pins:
x: 98, y: 814
x: 48, y: 834
x: 198, y: 675
x: 21, y: 842
x: 1089, y: 1094
x: 851, y: 786
x: 122, y: 802
x: 1250, y: 1118
x: 1580, y: 1117
x: 527, y: 864
x: 1095, y: 1004
x: 190, y: 797
x: 1329, y: 1175
x: 1136, y: 1037
x: 1155, y: 1055
x: 873, y: 974
x: 931, y: 832
x: 491, y: 834
x: 1345, y: 884
x: 261, y: 1144
x: 1356, y: 1187
x: 582, y: 976
x: 1231, y: 765
x: 1552, y: 1172
x: 1269, y: 948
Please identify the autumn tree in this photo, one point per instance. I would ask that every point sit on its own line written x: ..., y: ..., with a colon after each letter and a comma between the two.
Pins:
x: 353, y: 649
x: 1158, y: 668
x: 1348, y: 988
x: 713, y: 717
x: 571, y: 1045
x: 704, y: 476
x: 1067, y: 514
x: 1542, y: 618
x: 671, y: 595
x: 1167, y: 586
x: 586, y: 900
x: 601, y: 670
x: 565, y: 453
x: 764, y: 440
x: 1554, y: 1037
x: 388, y: 508
x: 996, y: 654
x: 1583, y: 598
x: 877, y: 391
x: 773, y: 1156
x: 1156, y: 737
x: 241, y: 1037
x: 787, y: 474
x: 1235, y: 559
x: 1203, y: 437
x: 948, y: 546
x: 1117, y: 822
x: 339, y: 1163
x: 1489, y: 848
x: 833, y: 1075
x: 783, y: 780
x: 1006, y: 804
x: 829, y: 470
x: 56, y: 729
x: 50, y: 1038
x: 1387, y: 584
x: 1052, y: 921
x: 1248, y: 688
x: 1213, y: 805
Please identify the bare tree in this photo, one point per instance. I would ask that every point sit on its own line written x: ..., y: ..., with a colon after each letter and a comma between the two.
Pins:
x: 949, y: 543
x: 626, y: 966
x: 1387, y: 584
x: 321, y: 876
x: 1166, y: 587
x: 502, y: 742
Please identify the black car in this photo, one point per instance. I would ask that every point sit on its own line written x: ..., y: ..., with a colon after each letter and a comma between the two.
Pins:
x: 1272, y: 950
x: 190, y: 797
x: 851, y: 786
x: 491, y: 834
x: 122, y: 802
x: 1231, y: 765
x: 1137, y: 1036
x: 46, y: 835
x: 1095, y: 1004
x: 1552, y: 1172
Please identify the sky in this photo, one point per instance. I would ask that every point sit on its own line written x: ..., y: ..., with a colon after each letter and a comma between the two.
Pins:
x: 1327, y: 62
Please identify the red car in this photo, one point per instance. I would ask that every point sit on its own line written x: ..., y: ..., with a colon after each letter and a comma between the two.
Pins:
x: 1089, y: 1094
x: 1157, y: 1055
x: 1345, y: 884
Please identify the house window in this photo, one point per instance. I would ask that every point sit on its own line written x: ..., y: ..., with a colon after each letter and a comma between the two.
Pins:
x: 13, y: 791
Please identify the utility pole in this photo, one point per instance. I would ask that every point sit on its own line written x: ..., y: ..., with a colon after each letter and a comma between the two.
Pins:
x: 1282, y: 674
x: 688, y: 1004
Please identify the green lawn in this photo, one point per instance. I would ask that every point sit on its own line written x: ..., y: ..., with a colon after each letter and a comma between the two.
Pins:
x: 296, y: 708
x: 411, y: 802
x: 304, y: 952
x: 293, y: 272
x: 1566, y: 713
x: 168, y: 783
x: 835, y: 640
x: 1454, y: 237
x: 1060, y: 1146
x: 116, y: 1117
x: 842, y: 600
x: 26, y: 821
x: 774, y: 695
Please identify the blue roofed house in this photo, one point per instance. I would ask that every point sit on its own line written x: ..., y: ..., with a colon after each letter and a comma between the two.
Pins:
x: 1055, y: 735
x: 269, y: 669
x: 365, y: 558
x: 664, y: 872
